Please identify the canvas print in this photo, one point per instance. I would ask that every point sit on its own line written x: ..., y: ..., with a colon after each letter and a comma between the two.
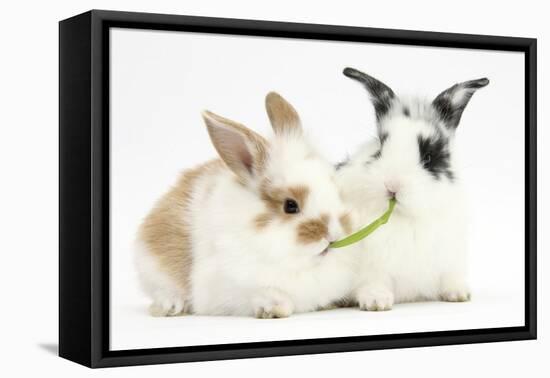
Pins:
x: 282, y: 189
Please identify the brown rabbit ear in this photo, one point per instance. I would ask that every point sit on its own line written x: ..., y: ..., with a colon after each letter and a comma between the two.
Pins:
x: 244, y: 151
x: 284, y: 118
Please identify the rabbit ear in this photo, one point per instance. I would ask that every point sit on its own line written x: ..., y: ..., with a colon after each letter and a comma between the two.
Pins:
x: 381, y: 95
x: 451, y: 102
x: 283, y: 117
x: 244, y: 151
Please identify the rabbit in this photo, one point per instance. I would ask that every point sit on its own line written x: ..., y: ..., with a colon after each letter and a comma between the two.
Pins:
x: 421, y: 253
x: 248, y: 234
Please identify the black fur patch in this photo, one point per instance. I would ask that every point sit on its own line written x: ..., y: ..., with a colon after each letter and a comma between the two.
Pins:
x: 406, y: 111
x: 381, y: 95
x: 341, y: 164
x: 383, y: 137
x: 435, y: 156
x: 450, y: 114
x: 382, y: 106
x: 450, y: 103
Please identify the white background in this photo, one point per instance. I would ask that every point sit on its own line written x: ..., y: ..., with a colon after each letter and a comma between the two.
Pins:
x: 160, y: 81
x: 28, y: 155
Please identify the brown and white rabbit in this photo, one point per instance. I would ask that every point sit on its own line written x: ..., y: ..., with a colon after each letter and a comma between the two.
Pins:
x: 248, y: 234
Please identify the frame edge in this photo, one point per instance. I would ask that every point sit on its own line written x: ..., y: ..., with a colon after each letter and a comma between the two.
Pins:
x: 75, y: 275
x: 87, y: 343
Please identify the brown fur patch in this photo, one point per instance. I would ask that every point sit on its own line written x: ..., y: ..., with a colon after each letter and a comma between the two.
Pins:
x: 284, y: 118
x: 274, y: 197
x: 313, y: 230
x: 299, y: 193
x: 262, y: 220
x: 166, y: 229
x: 345, y: 221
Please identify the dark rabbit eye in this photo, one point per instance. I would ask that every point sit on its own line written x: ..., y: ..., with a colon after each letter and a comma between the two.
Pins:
x: 427, y: 159
x: 291, y: 206
x: 435, y: 156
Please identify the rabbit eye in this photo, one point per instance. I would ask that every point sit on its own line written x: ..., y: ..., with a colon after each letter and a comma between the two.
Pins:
x: 427, y: 159
x: 291, y: 206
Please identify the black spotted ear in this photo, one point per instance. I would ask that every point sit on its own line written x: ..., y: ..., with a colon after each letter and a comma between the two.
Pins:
x: 381, y: 95
x: 451, y: 102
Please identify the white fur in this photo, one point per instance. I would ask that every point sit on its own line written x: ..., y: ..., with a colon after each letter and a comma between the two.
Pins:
x: 421, y: 252
x: 238, y: 269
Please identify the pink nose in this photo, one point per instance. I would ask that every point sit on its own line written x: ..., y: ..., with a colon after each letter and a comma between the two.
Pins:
x: 392, y: 186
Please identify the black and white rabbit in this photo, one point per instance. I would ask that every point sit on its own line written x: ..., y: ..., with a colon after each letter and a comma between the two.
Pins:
x: 421, y: 253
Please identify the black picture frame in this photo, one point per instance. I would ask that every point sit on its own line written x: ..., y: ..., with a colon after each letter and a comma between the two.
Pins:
x: 84, y: 188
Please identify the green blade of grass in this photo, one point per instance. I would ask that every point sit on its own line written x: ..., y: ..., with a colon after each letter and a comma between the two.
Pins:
x: 365, y: 231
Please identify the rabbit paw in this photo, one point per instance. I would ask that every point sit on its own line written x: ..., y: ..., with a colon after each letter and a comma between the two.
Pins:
x: 167, y: 307
x: 456, y: 295
x: 454, y: 289
x: 375, y: 298
x: 272, y: 304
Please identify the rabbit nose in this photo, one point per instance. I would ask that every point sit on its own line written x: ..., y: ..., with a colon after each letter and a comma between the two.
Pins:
x: 392, y: 186
x: 331, y: 240
x: 333, y: 232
